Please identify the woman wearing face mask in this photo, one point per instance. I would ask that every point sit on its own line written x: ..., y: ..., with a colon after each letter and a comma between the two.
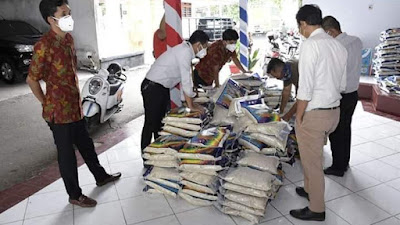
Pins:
x: 219, y: 53
x: 171, y: 68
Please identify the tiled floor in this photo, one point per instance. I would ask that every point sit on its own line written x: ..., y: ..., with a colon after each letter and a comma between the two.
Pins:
x: 369, y: 193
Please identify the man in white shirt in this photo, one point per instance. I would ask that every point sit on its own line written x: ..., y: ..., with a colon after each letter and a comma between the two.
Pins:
x: 341, y: 138
x: 322, y: 77
x: 171, y: 68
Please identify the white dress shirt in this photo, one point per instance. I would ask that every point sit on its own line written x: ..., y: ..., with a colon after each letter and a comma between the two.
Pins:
x: 322, y: 71
x: 353, y: 46
x: 173, y: 67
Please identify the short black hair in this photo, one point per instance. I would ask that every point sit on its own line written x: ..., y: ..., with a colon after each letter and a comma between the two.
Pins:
x: 311, y: 14
x: 273, y: 64
x: 230, y: 35
x: 49, y: 7
x: 330, y: 22
x: 199, y: 36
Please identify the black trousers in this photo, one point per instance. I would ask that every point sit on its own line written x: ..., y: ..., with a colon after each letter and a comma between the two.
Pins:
x: 156, y: 101
x: 65, y: 137
x: 341, y: 138
x: 197, y: 80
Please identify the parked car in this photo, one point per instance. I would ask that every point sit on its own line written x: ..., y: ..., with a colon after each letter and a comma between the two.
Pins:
x: 215, y: 26
x: 17, y: 39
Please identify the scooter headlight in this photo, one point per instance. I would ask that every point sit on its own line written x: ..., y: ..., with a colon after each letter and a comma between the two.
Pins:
x: 95, y: 86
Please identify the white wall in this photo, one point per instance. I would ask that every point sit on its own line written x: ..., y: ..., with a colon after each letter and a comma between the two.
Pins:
x: 82, y: 11
x: 362, y: 18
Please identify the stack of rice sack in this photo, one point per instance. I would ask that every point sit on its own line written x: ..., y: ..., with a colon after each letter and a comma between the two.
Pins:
x: 273, y: 97
x: 252, y: 82
x: 246, y: 190
x: 387, y: 56
x: 182, y: 122
x: 163, y: 176
x: 200, y: 160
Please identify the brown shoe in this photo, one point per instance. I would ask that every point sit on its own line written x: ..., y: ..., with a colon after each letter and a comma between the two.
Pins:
x: 111, y: 178
x: 83, y: 201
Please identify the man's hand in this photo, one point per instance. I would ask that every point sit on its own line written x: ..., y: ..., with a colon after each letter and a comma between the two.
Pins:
x: 286, y: 117
x: 196, y: 108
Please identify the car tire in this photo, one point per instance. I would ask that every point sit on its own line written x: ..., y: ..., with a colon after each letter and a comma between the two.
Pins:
x: 9, y: 74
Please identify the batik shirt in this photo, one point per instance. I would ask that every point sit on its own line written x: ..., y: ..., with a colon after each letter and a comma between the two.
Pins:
x: 54, y: 62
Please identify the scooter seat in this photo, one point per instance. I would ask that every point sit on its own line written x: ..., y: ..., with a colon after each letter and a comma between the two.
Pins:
x: 114, y: 88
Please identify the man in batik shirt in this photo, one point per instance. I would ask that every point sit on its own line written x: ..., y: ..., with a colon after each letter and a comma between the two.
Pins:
x: 54, y: 62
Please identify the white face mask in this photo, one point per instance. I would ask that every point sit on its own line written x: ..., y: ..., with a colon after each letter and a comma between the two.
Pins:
x: 202, y: 53
x: 65, y: 23
x: 231, y: 47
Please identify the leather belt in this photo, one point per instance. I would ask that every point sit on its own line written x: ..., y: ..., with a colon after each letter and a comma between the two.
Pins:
x: 332, y: 108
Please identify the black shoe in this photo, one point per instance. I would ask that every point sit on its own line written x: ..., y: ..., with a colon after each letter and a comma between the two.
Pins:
x: 110, y: 178
x: 301, y: 192
x: 307, y: 214
x: 334, y: 172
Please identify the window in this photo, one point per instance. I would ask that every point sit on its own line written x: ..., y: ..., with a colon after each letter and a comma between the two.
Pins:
x: 186, y: 9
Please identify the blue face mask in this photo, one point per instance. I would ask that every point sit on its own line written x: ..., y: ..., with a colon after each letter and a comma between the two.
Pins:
x: 287, y: 72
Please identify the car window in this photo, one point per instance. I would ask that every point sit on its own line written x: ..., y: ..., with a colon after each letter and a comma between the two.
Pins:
x: 16, y: 28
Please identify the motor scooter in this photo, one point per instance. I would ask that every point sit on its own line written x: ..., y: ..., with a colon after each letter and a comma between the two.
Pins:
x: 102, y: 94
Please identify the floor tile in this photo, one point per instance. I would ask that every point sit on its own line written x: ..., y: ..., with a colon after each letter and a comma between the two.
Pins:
x: 373, y: 150
x: 168, y: 220
x: 128, y: 169
x: 384, y: 196
x: 130, y: 187
x: 364, y: 122
x: 204, y: 216
x: 123, y: 153
x: 356, y: 140
x: 356, y: 210
x: 379, y: 170
x: 392, y: 143
x: 104, y: 214
x: 394, y: 184
x: 57, y: 185
x: 380, y: 118
x: 106, y: 193
x: 393, y: 160
x: 47, y: 204
x: 333, y: 190
x: 65, y: 218
x: 390, y: 221
x: 388, y: 129
x: 15, y: 223
x: 143, y: 208
x: 86, y: 177
x: 278, y: 221
x: 179, y: 205
x: 372, y: 133
x: 357, y: 158
x: 293, y: 173
x: 287, y: 199
x: 330, y: 219
x: 355, y: 180
x: 270, y: 214
x: 15, y: 213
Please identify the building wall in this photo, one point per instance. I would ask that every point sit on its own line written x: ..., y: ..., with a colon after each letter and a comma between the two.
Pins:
x: 363, y: 18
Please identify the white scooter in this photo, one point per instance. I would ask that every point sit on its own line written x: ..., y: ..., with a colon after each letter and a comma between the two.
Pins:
x: 102, y: 94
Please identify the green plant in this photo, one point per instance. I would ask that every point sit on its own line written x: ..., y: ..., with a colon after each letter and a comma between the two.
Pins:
x: 253, y: 59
